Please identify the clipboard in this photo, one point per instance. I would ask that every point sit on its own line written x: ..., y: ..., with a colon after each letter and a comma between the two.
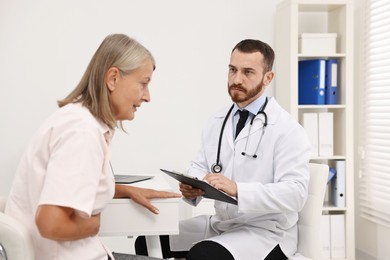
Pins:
x: 210, y: 191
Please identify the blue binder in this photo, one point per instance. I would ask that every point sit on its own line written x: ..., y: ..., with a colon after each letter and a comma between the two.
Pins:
x: 331, y: 89
x: 311, y: 82
x: 332, y: 173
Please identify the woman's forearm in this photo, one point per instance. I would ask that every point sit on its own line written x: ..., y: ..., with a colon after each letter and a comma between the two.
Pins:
x: 65, y: 224
x: 123, y: 191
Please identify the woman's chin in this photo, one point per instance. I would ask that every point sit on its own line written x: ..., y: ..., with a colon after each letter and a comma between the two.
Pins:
x: 130, y: 116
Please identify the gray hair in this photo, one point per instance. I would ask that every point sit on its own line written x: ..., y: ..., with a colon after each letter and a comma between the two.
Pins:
x: 116, y: 50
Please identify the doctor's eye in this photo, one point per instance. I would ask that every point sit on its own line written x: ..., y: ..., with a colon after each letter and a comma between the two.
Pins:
x: 232, y: 70
x: 249, y: 72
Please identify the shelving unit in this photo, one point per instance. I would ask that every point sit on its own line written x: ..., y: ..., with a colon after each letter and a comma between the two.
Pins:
x: 294, y: 17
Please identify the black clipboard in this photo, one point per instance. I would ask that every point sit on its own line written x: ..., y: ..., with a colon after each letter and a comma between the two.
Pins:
x: 210, y: 191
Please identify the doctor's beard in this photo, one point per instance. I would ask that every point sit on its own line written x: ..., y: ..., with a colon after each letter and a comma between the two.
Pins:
x: 249, y: 94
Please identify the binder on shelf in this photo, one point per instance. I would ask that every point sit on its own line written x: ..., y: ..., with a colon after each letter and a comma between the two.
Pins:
x: 311, y: 82
x: 332, y: 173
x: 331, y: 82
x: 337, y: 236
x: 325, y: 236
x: 325, y: 134
x: 337, y: 185
x: 310, y: 124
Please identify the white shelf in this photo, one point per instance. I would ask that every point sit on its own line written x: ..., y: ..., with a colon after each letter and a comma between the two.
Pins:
x: 325, y: 55
x: 330, y: 208
x: 320, y: 106
x: 334, y: 157
x: 294, y: 17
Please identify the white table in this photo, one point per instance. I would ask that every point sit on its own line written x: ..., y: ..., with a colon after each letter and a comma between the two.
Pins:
x: 123, y: 217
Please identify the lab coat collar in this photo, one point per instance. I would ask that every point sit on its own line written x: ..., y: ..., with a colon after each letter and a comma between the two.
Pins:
x: 253, y: 107
x: 271, y: 111
x: 258, y: 123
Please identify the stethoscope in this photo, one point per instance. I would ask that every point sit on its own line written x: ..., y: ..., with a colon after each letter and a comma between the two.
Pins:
x: 217, y: 166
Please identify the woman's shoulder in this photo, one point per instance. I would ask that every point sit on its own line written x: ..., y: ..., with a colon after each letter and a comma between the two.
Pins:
x: 73, y: 116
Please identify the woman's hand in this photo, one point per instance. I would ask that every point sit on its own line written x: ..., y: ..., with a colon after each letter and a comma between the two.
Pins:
x: 143, y: 196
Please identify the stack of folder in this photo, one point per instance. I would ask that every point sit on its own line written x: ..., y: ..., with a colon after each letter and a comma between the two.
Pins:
x: 333, y: 236
x: 333, y: 226
x: 319, y: 128
x: 317, y: 82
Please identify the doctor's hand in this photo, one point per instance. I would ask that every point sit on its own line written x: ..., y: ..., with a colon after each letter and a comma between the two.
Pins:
x: 222, y: 183
x: 188, y: 192
x: 143, y: 196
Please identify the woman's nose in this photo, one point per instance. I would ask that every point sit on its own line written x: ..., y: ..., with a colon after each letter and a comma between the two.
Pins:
x: 146, y: 96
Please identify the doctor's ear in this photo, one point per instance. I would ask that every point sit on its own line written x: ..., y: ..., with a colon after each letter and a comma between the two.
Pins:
x: 268, y: 77
x: 111, y: 78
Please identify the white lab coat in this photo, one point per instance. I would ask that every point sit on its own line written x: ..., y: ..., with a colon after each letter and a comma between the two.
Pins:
x: 272, y: 188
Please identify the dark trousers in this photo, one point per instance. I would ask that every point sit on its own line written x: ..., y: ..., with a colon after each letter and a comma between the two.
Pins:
x: 205, y: 250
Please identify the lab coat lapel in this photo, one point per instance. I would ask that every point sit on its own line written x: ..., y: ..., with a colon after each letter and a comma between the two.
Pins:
x: 227, y: 137
x: 259, y: 120
x: 228, y: 133
x: 244, y: 133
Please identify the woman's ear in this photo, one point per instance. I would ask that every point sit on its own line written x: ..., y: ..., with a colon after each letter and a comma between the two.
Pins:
x: 111, y: 77
x: 268, y: 77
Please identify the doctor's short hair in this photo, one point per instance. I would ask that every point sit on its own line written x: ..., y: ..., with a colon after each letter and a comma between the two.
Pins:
x: 116, y: 50
x: 251, y: 46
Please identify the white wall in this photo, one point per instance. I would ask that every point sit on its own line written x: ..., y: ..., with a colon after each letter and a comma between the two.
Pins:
x: 46, y: 45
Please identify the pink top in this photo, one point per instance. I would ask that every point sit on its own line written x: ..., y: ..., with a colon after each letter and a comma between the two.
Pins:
x: 65, y: 164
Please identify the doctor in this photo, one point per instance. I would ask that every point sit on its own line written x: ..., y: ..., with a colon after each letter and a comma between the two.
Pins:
x: 265, y: 167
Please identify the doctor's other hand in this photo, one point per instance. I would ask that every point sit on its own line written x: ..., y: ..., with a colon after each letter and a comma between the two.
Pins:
x: 189, y: 192
x: 143, y: 196
x: 222, y: 183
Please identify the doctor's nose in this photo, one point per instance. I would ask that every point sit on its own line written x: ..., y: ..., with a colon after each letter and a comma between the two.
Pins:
x: 236, y: 78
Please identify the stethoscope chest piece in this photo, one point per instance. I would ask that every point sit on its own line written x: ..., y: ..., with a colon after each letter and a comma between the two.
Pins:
x: 216, y: 168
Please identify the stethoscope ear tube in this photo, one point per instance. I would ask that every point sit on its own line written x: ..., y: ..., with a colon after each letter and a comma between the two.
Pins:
x: 217, y: 166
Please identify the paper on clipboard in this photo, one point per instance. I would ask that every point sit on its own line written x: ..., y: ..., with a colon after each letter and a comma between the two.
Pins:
x: 210, y: 191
